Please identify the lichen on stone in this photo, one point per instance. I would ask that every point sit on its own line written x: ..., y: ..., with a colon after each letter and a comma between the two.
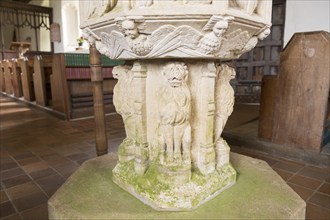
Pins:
x: 178, y: 197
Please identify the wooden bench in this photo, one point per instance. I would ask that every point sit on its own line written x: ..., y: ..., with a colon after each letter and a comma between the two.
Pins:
x: 294, y: 104
x: 72, y: 91
x: 16, y: 78
x: 7, y: 76
x: 2, y: 78
x: 41, y: 79
x: 11, y: 77
x: 27, y: 79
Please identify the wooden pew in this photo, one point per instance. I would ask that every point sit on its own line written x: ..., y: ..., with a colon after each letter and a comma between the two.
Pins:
x: 268, y: 102
x: 7, y: 76
x: 16, y: 78
x: 72, y: 91
x: 59, y: 87
x: 39, y: 81
x: 81, y: 97
x: 295, y: 105
x: 27, y: 82
x: 48, y: 71
x: 2, y: 78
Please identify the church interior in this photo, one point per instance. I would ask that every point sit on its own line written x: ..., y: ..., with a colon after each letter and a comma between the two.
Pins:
x: 48, y: 125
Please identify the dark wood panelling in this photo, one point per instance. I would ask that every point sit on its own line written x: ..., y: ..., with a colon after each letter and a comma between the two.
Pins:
x: 262, y: 60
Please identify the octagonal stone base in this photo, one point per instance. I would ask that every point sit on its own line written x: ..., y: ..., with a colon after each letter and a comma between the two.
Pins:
x: 259, y: 193
x: 173, y: 190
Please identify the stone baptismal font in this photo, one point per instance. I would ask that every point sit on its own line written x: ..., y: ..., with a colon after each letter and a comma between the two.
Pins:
x: 173, y: 92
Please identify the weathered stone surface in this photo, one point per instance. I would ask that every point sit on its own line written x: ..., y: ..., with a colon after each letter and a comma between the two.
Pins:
x: 174, y: 93
x: 173, y: 188
x: 258, y: 194
x: 133, y: 29
x: 174, y: 114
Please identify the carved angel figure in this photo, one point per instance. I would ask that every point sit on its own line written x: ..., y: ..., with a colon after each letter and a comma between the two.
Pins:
x: 175, y: 109
x: 224, y: 98
x: 211, y: 42
x: 138, y: 42
x: 254, y: 41
x: 238, y: 42
x: 131, y: 43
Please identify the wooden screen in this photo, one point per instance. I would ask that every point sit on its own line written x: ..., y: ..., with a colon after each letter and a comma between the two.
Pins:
x: 262, y: 60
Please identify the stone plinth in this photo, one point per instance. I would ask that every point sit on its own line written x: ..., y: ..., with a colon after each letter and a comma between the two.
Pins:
x: 259, y: 193
x: 173, y: 189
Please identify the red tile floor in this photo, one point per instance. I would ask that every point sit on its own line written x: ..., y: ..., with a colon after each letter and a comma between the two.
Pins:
x: 39, y: 152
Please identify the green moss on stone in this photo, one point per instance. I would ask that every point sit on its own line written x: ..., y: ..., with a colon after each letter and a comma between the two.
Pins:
x: 174, y: 197
x: 90, y: 194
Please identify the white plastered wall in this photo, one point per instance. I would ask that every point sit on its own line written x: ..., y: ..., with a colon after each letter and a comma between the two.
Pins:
x: 57, y: 18
x: 66, y: 13
x: 305, y: 16
x: 70, y: 24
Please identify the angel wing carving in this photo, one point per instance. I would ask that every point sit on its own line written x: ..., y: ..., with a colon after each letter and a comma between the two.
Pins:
x: 235, y: 41
x: 183, y: 39
x: 160, y: 33
x: 116, y: 45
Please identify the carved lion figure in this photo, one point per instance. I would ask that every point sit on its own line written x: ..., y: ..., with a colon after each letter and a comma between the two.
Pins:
x: 224, y: 98
x: 124, y: 104
x: 175, y: 109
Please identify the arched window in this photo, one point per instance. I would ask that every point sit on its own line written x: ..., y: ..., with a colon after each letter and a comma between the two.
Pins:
x: 70, y: 23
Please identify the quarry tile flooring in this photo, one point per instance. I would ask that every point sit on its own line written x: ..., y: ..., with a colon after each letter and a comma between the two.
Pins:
x: 39, y: 152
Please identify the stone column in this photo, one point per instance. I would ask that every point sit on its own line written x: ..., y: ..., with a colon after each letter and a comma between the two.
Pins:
x: 206, y: 163
x: 101, y: 140
x: 139, y: 71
